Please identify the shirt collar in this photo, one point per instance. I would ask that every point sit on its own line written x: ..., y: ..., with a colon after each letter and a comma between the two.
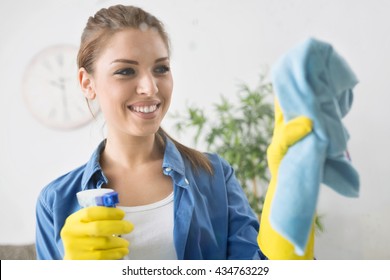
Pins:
x: 93, y: 167
x: 172, y: 160
x: 172, y: 157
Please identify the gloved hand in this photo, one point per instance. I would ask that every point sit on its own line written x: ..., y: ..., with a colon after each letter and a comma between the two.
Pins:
x: 92, y: 234
x: 273, y: 245
x: 285, y: 135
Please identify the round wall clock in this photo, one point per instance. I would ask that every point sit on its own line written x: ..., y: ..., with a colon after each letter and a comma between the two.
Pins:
x: 52, y: 92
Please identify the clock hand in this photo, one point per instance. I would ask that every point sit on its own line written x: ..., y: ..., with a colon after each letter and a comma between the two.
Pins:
x: 65, y: 102
x: 58, y: 84
x: 61, y: 84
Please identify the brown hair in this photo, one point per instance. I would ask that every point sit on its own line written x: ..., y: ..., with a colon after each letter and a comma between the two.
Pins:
x: 99, y: 30
x: 105, y: 23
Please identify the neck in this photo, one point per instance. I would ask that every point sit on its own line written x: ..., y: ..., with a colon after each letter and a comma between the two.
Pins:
x: 130, y: 152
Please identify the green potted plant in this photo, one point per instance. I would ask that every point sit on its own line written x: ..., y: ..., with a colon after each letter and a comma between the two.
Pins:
x: 239, y: 129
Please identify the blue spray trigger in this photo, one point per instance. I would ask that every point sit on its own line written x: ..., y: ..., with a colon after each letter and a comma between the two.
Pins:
x: 109, y: 199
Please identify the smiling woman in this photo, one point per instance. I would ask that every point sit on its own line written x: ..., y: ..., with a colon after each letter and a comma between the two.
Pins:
x: 174, y: 202
x: 132, y: 61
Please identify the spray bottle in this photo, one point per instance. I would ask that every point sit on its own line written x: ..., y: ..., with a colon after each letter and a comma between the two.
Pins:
x: 98, y: 197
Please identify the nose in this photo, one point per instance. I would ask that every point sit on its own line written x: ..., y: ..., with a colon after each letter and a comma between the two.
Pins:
x: 146, y: 85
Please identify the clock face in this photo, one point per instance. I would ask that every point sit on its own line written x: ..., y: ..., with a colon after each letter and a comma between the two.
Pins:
x: 52, y: 92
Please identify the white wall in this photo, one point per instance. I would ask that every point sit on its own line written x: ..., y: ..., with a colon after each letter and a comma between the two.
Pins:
x: 216, y: 45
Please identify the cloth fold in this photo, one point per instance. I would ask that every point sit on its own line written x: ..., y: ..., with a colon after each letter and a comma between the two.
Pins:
x: 313, y: 80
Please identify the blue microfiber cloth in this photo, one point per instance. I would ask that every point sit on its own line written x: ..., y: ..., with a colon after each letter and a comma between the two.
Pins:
x: 312, y: 80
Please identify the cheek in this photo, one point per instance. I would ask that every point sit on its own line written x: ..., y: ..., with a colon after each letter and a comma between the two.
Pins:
x: 109, y: 99
x: 167, y: 95
x: 167, y: 89
x: 108, y: 92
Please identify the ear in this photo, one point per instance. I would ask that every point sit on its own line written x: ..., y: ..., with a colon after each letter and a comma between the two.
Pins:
x: 86, y: 84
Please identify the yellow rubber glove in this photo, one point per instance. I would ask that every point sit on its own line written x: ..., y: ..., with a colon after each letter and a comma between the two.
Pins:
x: 92, y: 234
x: 273, y: 245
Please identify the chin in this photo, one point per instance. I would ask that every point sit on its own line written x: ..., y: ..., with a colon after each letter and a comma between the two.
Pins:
x: 145, y: 132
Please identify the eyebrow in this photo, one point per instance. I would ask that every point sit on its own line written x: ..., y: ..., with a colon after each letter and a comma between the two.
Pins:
x: 129, y: 61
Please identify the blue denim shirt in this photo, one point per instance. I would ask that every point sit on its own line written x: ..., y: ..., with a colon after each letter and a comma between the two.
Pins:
x: 212, y: 217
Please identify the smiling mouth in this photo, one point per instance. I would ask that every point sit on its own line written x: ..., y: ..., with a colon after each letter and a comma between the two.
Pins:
x: 144, y: 109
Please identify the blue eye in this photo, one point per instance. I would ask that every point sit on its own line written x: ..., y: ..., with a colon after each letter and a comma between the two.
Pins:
x: 162, y: 69
x: 125, y: 72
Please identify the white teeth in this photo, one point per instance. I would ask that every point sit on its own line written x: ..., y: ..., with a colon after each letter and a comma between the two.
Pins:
x: 144, y: 109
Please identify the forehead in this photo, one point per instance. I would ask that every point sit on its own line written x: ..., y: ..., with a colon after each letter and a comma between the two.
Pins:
x: 135, y: 42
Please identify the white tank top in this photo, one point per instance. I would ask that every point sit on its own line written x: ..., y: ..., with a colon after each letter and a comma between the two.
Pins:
x: 152, y: 237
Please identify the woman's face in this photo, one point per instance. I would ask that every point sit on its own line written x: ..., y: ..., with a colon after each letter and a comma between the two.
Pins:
x: 133, y: 82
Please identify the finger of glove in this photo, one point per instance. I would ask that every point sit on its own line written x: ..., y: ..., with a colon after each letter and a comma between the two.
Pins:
x: 295, y: 130
x: 95, y: 248
x: 278, y: 117
x: 97, y: 228
x: 112, y: 254
x: 92, y: 243
x: 95, y: 213
x: 288, y: 135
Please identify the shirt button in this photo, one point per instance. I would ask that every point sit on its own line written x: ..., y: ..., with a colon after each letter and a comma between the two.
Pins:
x: 168, y: 169
x: 185, y: 180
